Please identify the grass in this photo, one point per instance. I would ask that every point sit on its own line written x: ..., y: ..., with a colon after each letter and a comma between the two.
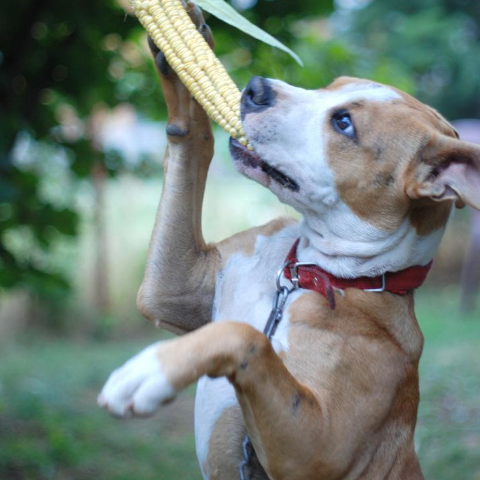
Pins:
x: 50, y: 427
x: 448, y: 430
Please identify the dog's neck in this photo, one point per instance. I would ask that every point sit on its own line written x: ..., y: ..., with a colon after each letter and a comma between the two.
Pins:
x: 346, y: 246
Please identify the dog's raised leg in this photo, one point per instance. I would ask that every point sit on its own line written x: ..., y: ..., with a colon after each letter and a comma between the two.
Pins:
x: 283, y: 417
x: 179, y: 281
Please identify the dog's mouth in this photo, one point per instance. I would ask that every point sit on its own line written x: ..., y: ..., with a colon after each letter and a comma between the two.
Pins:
x: 251, y: 161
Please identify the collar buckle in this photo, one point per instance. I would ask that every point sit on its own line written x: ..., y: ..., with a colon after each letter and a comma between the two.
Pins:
x: 295, y: 278
x: 381, y: 289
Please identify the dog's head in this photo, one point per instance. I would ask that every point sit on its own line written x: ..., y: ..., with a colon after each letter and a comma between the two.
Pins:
x: 357, y: 149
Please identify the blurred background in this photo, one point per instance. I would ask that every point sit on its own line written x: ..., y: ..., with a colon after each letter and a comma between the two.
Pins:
x: 81, y: 146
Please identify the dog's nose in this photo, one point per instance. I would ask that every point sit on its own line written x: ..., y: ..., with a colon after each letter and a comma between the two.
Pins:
x: 258, y: 95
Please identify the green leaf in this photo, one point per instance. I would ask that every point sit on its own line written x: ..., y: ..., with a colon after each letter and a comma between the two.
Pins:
x: 226, y: 13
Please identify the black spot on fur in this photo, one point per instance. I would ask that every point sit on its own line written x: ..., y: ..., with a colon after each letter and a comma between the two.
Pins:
x: 296, y: 400
x: 378, y: 153
x: 357, y: 104
x: 384, y: 180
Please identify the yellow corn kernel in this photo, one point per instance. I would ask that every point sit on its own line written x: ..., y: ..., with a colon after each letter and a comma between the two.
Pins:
x: 190, y: 56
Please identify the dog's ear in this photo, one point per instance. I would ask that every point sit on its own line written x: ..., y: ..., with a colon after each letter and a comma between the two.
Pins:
x: 447, y: 169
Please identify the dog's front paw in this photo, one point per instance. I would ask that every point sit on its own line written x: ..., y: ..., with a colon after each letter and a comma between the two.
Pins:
x: 138, y: 388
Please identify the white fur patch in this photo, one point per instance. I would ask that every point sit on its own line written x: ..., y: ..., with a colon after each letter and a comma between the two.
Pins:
x: 138, y: 388
x: 213, y: 397
x: 347, y: 246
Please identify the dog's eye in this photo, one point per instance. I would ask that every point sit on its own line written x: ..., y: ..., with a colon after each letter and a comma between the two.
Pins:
x: 342, y: 122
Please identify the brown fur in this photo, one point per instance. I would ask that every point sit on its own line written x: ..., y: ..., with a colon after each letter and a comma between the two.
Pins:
x: 225, y: 448
x: 227, y: 437
x: 389, y: 139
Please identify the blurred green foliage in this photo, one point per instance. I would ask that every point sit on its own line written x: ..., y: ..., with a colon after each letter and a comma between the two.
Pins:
x: 435, y: 42
x: 60, y: 62
x: 50, y: 427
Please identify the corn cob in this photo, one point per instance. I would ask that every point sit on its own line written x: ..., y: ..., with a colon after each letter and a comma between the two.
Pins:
x: 190, y: 56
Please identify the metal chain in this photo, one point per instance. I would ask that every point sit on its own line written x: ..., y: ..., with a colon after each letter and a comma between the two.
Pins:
x: 279, y: 301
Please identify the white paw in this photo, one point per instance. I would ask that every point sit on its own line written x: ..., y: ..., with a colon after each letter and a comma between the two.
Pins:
x: 138, y: 388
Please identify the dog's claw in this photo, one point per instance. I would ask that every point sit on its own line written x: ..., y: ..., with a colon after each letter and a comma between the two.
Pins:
x: 151, y: 44
x: 195, y: 13
x: 159, y: 57
x: 207, y: 35
x: 162, y: 64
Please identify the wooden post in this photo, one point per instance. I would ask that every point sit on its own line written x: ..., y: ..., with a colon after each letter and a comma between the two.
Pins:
x: 99, y: 175
x: 469, y: 131
x: 471, y: 267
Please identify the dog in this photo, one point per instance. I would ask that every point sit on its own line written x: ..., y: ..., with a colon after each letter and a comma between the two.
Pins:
x: 331, y: 390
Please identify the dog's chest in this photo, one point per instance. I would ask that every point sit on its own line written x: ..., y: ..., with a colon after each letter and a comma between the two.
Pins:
x: 246, y: 285
x: 245, y: 290
x: 244, y: 293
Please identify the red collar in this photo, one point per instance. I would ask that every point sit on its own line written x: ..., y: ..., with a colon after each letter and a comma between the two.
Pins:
x: 311, y: 277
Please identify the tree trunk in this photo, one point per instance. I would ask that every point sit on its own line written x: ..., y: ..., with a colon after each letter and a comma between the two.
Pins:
x: 471, y: 267
x: 100, y: 283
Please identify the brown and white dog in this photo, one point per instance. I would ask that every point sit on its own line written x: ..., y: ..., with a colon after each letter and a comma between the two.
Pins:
x: 375, y: 175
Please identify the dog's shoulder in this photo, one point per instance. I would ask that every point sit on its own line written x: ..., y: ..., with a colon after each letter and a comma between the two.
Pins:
x: 282, y: 230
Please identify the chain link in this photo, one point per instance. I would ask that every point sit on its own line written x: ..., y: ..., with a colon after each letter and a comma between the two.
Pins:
x: 279, y: 301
